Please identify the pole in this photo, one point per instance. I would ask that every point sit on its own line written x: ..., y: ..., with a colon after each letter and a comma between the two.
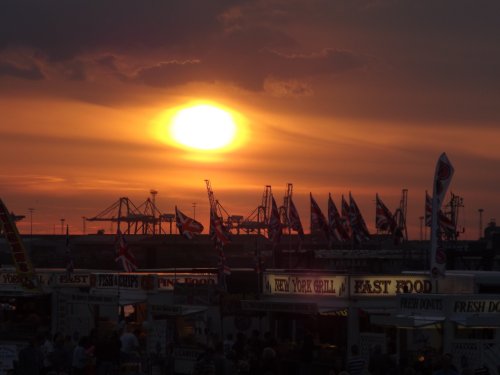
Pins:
x: 421, y: 228
x: 194, y: 210
x: 480, y: 222
x: 31, y: 220
x: 62, y: 226
x: 83, y: 225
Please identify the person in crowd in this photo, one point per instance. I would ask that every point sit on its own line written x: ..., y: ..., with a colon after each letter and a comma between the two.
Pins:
x: 446, y: 366
x: 80, y: 357
x: 107, y: 353
x: 228, y: 346
x: 355, y: 364
x: 30, y: 359
x: 307, y: 353
x: 130, y: 345
x: 47, y: 348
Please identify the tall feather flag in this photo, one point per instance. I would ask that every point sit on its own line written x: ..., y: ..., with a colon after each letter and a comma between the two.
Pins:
x: 187, y: 226
x: 70, y: 262
x: 318, y: 220
x: 445, y: 223
x: 274, y: 226
x: 124, y: 255
x: 359, y: 229
x: 294, y: 218
x: 442, y: 178
x: 384, y: 219
x: 335, y: 225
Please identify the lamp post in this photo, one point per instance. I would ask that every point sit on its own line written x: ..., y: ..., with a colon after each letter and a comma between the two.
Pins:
x: 480, y: 222
x: 194, y: 210
x: 62, y: 226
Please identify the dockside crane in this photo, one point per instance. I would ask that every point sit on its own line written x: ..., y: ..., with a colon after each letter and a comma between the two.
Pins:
x: 131, y: 219
x: 258, y: 220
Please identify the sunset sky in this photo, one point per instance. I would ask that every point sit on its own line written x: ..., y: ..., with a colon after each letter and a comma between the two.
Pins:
x: 332, y: 96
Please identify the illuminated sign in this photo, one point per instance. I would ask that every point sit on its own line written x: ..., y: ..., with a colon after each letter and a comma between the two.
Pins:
x: 385, y: 286
x: 114, y: 280
x: 73, y: 280
x: 335, y: 286
x: 168, y: 281
x: 423, y: 305
x: 14, y: 280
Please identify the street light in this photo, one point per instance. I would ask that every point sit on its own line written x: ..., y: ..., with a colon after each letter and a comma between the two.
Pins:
x: 62, y: 226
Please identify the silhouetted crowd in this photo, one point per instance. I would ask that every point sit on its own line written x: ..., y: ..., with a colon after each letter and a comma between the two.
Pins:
x: 112, y: 353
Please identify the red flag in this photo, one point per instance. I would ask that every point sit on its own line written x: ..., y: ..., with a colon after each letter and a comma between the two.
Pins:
x: 384, y: 218
x: 294, y: 218
x: 337, y: 230
x: 124, y: 255
x: 274, y: 227
x: 318, y: 220
x: 358, y: 225
x: 218, y: 232
x: 187, y: 227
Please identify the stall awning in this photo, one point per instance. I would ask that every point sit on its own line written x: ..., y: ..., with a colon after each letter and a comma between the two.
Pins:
x: 280, y: 306
x: 176, y: 310
x: 405, y: 321
x: 490, y: 321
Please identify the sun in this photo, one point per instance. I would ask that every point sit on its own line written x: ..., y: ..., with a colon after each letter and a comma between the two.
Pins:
x: 203, y: 127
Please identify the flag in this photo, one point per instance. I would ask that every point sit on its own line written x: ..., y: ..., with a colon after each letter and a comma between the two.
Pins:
x: 274, y: 226
x: 344, y: 218
x: 187, y: 227
x: 442, y: 178
x: 318, y: 220
x: 428, y: 209
x: 337, y: 230
x: 294, y: 218
x: 445, y: 223
x: 124, y: 255
x: 384, y: 219
x: 359, y: 230
x: 218, y: 232
x: 70, y: 264
x: 223, y: 267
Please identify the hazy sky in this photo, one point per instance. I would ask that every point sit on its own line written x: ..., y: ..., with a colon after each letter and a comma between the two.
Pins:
x: 333, y: 96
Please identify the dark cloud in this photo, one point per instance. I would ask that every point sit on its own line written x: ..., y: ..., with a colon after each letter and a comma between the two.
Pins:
x: 32, y: 72
x: 63, y: 30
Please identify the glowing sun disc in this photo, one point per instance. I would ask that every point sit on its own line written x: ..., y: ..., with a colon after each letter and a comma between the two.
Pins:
x: 203, y: 127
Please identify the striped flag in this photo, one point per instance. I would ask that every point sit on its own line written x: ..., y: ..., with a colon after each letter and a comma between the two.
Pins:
x: 358, y: 225
x: 344, y: 216
x: 294, y: 219
x: 384, y: 219
x: 124, y: 255
x: 275, y: 227
x: 337, y: 230
x: 187, y: 227
x: 218, y: 232
x: 318, y: 220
